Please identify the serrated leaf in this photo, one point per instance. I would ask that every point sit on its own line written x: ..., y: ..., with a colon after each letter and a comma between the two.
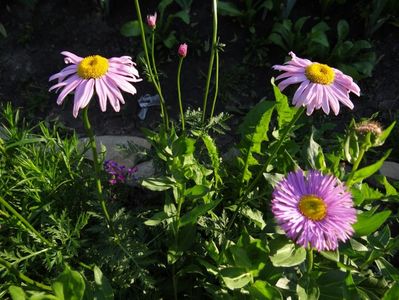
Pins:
x: 367, y: 222
x: 213, y: 155
x: 285, y: 112
x: 253, y: 132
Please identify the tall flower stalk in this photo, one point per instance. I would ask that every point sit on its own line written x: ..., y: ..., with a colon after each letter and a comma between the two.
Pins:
x: 97, y: 169
x: 182, y: 53
x: 151, y: 68
x: 214, y: 50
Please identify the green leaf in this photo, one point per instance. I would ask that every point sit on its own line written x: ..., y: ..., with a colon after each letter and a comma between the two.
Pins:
x: 228, y: 9
x: 286, y: 254
x: 156, y: 219
x: 342, y: 30
x: 131, y: 29
x: 332, y: 284
x: 183, y: 15
x: 331, y: 255
x: 253, y: 132
x: 235, y: 278
x: 392, y: 293
x: 285, y: 113
x: 387, y: 269
x: 170, y: 41
x: 367, y: 222
x: 163, y: 4
x: 103, y: 287
x: 17, y: 293
x: 3, y: 30
x: 213, y: 155
x: 192, y: 216
x: 254, y: 215
x: 195, y: 192
x: 183, y: 145
x: 363, y: 192
x: 385, y: 134
x: 262, y: 290
x: 315, y: 154
x: 158, y: 183
x: 369, y: 170
x: 69, y: 285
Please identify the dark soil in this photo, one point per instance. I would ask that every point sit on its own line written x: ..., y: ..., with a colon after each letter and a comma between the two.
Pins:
x: 37, y: 34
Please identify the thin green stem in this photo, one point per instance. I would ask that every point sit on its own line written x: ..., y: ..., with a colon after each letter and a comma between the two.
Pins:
x: 25, y: 222
x: 23, y: 277
x: 216, y: 82
x: 362, y: 151
x: 99, y: 187
x: 212, y: 58
x: 154, y: 77
x: 179, y: 93
x: 100, y: 195
x: 309, y: 252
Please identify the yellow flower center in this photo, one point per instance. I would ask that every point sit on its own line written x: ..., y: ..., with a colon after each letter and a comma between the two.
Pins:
x: 319, y: 73
x: 313, y: 207
x: 93, y: 66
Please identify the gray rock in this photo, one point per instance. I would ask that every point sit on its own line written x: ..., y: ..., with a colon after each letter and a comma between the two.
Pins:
x: 390, y: 169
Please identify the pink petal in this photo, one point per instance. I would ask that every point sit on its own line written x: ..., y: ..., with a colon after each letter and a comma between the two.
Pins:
x: 299, y: 91
x: 73, y: 82
x: 121, y: 82
x: 102, y: 94
x: 64, y: 73
x: 71, y: 58
x: 83, y: 94
x: 291, y: 80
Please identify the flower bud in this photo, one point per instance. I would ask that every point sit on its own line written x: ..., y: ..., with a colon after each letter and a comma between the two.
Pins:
x: 152, y: 20
x: 182, y: 50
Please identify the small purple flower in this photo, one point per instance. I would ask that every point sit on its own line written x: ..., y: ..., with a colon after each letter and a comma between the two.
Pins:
x: 314, y: 209
x: 119, y: 173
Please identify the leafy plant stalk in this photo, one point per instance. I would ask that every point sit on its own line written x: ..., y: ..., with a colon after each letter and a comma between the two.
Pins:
x: 212, y: 58
x: 242, y: 199
x: 24, y: 221
x: 154, y: 78
x: 23, y: 277
x: 179, y: 93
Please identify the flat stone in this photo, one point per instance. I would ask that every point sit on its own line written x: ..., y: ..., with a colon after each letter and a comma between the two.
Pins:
x: 114, y: 148
x: 390, y: 169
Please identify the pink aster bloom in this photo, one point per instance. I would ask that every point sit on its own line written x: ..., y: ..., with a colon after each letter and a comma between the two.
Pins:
x: 152, y: 20
x: 314, y: 209
x: 182, y: 50
x: 320, y: 85
x: 95, y: 74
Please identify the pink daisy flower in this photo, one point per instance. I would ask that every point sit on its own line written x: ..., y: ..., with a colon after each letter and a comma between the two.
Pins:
x: 320, y: 85
x: 314, y: 209
x: 97, y: 74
